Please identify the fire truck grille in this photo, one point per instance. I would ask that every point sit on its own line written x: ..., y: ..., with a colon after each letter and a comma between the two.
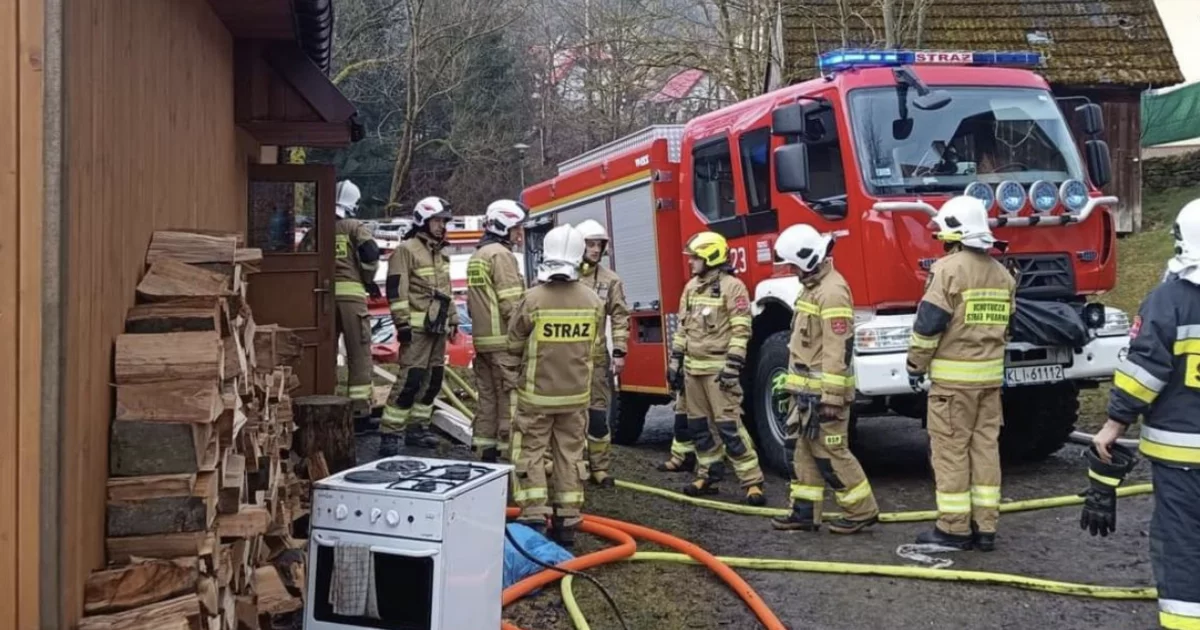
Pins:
x: 1044, y: 276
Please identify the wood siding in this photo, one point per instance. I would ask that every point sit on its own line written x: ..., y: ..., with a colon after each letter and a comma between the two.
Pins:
x: 21, y: 54
x: 1123, y: 132
x: 150, y: 143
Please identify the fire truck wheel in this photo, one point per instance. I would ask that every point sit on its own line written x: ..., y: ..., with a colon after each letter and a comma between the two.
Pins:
x: 627, y: 416
x: 1038, y: 420
x: 769, y: 410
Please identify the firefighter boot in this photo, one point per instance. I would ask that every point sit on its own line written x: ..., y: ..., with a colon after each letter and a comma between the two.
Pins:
x: 676, y: 464
x: 389, y: 444
x: 936, y: 536
x: 603, y: 480
x: 984, y: 541
x: 706, y: 485
x: 562, y: 533
x: 799, y: 520
x: 842, y: 525
x: 754, y: 496
x: 420, y: 437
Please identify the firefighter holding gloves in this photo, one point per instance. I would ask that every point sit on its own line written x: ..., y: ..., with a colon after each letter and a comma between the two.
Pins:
x: 554, y: 331
x: 820, y: 380
x: 356, y: 257
x: 708, y: 354
x: 958, y: 340
x: 494, y: 288
x: 1160, y: 381
x: 611, y: 290
x: 418, y: 288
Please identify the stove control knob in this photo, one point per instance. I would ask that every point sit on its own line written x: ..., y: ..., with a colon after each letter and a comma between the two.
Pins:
x: 393, y: 518
x: 375, y: 514
x: 341, y: 512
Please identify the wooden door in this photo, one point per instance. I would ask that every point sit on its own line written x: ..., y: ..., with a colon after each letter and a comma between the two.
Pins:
x: 291, y: 219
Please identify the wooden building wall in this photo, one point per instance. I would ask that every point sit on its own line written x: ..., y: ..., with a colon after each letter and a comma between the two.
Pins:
x: 21, y: 106
x: 150, y: 143
x: 1123, y: 132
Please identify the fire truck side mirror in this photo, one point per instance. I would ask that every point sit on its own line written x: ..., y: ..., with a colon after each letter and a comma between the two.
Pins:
x: 788, y: 120
x: 1099, y: 163
x: 1091, y: 117
x: 791, y: 168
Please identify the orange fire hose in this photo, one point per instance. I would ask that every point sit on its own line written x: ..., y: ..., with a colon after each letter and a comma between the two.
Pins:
x: 623, y: 533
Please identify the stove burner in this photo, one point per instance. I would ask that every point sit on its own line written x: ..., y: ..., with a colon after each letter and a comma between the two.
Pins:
x: 371, y: 476
x: 432, y: 486
x: 459, y: 472
x: 402, y: 466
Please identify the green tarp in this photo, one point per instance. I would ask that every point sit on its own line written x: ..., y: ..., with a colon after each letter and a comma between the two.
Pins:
x: 1171, y: 116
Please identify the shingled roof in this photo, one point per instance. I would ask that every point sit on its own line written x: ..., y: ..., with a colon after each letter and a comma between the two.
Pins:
x: 1085, y: 43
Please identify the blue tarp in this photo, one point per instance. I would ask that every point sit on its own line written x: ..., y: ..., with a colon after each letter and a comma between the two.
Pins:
x: 516, y: 566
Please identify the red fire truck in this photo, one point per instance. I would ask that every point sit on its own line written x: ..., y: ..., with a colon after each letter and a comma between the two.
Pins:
x: 868, y: 151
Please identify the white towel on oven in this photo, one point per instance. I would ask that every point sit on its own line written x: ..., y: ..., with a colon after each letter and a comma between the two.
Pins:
x: 352, y: 588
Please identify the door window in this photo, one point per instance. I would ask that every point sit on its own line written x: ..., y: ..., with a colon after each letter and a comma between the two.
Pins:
x: 283, y: 217
x: 755, y: 147
x: 712, y: 180
x: 827, y: 177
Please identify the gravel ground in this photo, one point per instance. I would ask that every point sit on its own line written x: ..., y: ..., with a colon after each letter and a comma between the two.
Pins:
x: 1045, y: 543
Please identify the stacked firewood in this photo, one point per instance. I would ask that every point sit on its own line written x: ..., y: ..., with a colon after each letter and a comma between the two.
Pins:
x: 201, y: 491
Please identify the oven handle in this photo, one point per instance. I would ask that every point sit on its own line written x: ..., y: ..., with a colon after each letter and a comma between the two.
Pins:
x: 423, y: 553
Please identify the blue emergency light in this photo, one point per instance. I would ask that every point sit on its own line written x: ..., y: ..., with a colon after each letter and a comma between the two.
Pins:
x: 846, y: 59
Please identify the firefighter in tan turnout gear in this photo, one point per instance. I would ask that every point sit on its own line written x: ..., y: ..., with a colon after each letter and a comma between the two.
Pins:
x: 554, y: 331
x: 418, y: 287
x: 958, y: 341
x: 494, y: 287
x: 820, y: 380
x: 356, y: 257
x: 708, y: 354
x: 609, y: 287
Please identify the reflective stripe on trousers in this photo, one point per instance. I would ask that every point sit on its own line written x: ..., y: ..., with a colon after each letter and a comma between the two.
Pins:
x: 1175, y: 545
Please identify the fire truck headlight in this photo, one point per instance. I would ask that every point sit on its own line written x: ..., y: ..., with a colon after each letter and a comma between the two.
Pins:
x: 1116, y: 323
x: 1074, y: 194
x: 882, y: 339
x: 982, y: 192
x: 1011, y: 196
x: 1043, y: 195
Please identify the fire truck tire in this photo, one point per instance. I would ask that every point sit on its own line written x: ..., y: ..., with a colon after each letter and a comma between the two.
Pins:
x: 770, y: 411
x: 1038, y: 420
x: 627, y: 416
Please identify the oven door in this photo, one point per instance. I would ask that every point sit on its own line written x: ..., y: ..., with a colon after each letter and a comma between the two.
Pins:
x: 408, y: 579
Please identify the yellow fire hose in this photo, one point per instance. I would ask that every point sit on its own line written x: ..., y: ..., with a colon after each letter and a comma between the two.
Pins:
x: 888, y: 517
x: 454, y: 400
x: 461, y: 383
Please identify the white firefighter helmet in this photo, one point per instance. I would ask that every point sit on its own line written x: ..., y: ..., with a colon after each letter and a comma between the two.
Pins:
x: 1186, y: 263
x: 592, y: 231
x: 963, y: 219
x: 347, y: 194
x: 562, y: 253
x: 503, y: 215
x: 430, y: 208
x: 803, y: 246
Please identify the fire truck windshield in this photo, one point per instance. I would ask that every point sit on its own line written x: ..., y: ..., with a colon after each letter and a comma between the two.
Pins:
x: 983, y: 134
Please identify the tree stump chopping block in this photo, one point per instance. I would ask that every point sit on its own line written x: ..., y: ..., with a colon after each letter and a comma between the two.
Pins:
x: 324, y: 425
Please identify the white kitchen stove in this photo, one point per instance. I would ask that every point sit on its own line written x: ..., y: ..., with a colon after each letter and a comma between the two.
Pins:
x: 435, y: 533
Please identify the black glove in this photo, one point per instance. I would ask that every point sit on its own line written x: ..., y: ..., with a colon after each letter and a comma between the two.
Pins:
x: 916, y: 381
x: 731, y: 374
x: 675, y: 372
x: 373, y: 290
x: 1100, y: 499
x: 404, y: 333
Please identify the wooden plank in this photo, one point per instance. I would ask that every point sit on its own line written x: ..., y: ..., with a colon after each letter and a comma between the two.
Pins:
x: 191, y: 247
x: 165, y: 317
x: 196, y: 401
x: 159, y: 448
x: 10, y: 302
x: 164, y: 546
x: 158, y: 616
x: 169, y: 357
x: 144, y: 582
x: 172, y: 280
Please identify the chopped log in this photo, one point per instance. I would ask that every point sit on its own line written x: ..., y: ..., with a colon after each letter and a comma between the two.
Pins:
x: 169, y: 279
x: 208, y: 485
x: 233, y: 483
x: 317, y: 468
x: 172, y: 614
x: 169, y: 357
x: 324, y: 426
x: 162, y: 515
x: 243, y: 573
x: 210, y: 554
x: 251, y: 520
x: 235, y: 360
x: 165, y: 546
x: 138, y: 584
x: 207, y: 593
x: 249, y: 335
x: 247, y: 613
x: 232, y: 419
x: 166, y: 317
x: 228, y: 609
x: 264, y: 348
x: 191, y: 247
x: 159, y: 448
x: 273, y: 596
x: 175, y: 401
x: 225, y: 566
x: 223, y: 233
x: 150, y: 487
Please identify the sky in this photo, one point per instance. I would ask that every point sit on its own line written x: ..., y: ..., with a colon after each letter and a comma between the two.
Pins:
x: 1182, y: 19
